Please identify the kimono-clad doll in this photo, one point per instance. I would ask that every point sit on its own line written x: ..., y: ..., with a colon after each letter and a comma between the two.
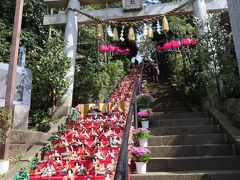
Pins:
x: 48, y: 170
x: 96, y: 167
x: 83, y: 152
x: 69, y: 176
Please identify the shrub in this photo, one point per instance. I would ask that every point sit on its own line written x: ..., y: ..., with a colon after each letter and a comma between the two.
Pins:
x: 144, y: 101
x: 142, y: 133
x: 5, y: 121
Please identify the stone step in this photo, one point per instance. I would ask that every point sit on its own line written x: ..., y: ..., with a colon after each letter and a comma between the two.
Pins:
x: 186, y: 139
x: 185, y: 130
x: 172, y: 109
x: 18, y: 149
x: 162, y: 115
x: 192, y: 150
x: 158, y: 164
x: 28, y: 137
x: 191, y: 175
x: 181, y: 122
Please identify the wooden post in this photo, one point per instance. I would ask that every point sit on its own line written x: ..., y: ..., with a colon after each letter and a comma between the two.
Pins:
x: 11, y: 83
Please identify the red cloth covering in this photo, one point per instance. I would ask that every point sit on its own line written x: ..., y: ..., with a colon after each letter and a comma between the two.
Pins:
x: 124, y: 93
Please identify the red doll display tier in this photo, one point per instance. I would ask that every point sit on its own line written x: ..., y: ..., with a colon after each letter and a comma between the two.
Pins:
x: 90, y: 146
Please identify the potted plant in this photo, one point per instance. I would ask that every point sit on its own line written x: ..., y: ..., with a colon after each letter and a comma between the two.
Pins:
x: 22, y: 174
x: 55, y: 137
x: 144, y: 117
x: 45, y: 151
x: 41, y: 119
x: 62, y: 129
x: 73, y: 117
x: 142, y: 135
x: 141, y: 155
x: 33, y: 164
x: 144, y: 101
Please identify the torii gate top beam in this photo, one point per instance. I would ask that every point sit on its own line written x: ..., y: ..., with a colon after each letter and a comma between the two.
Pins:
x: 63, y: 3
x: 148, y: 11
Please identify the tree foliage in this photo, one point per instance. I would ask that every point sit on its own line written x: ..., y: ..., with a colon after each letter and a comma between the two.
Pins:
x: 49, y: 72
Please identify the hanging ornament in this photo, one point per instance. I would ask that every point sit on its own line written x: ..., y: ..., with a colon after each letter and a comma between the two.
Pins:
x: 138, y: 38
x: 115, y: 35
x: 100, y: 32
x: 187, y: 41
x: 194, y: 41
x: 121, y: 35
x: 131, y: 34
x: 150, y: 32
x: 103, y: 48
x: 145, y: 30
x: 165, y: 26
x: 109, y: 31
x: 158, y: 27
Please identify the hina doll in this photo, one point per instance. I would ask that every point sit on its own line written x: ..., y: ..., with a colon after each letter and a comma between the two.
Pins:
x: 81, y: 170
x: 116, y: 142
x: 54, y: 155
x: 74, y: 156
x: 83, y: 153
x: 66, y: 167
x: 73, y: 143
x: 110, y: 169
x: 93, y: 133
x: 69, y: 176
x: 78, y: 143
x: 100, y: 128
x: 109, y: 132
x: 111, y: 154
x: 96, y: 167
x: 48, y: 170
x: 58, y: 164
x: 85, y: 135
x: 118, y: 125
x: 65, y: 143
x: 95, y: 141
x: 99, y: 154
x: 67, y: 153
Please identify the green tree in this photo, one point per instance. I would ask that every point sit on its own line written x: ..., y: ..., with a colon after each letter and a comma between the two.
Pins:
x: 49, y: 72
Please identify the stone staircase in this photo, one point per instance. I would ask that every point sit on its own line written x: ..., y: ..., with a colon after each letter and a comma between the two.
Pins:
x: 186, y: 145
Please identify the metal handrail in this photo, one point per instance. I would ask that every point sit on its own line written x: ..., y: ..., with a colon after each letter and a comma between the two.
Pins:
x: 122, y: 168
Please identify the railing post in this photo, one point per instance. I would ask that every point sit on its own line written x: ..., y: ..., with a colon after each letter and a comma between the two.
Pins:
x: 135, y: 106
x: 126, y: 164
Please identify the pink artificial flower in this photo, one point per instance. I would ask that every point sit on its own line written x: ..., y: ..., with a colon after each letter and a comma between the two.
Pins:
x: 187, y: 41
x: 111, y: 48
x: 103, y: 48
x: 144, y: 114
x: 194, y: 41
x: 177, y: 44
x: 167, y: 46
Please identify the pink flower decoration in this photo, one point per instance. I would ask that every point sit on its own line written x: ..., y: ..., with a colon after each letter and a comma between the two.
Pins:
x: 111, y: 48
x: 120, y: 51
x: 161, y: 49
x: 167, y: 46
x: 172, y: 42
x: 115, y: 49
x: 103, y: 48
x: 127, y: 50
x: 187, y: 41
x: 177, y: 44
x: 194, y: 41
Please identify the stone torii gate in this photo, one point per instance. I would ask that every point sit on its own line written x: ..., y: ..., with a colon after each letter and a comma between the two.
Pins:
x: 71, y: 20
